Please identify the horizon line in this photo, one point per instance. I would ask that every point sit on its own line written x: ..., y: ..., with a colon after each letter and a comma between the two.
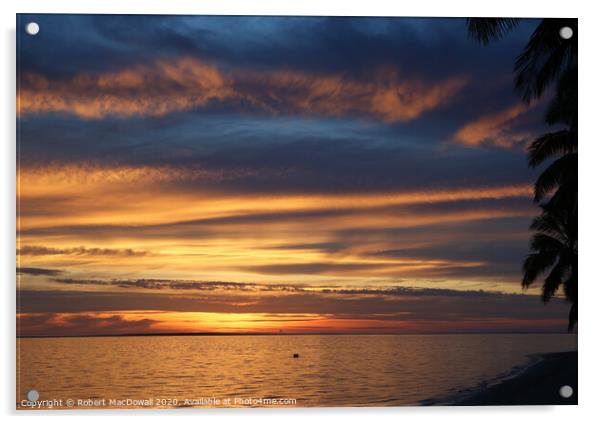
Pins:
x: 200, y: 334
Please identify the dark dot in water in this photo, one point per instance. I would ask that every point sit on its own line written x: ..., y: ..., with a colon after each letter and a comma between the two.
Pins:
x: 295, y: 355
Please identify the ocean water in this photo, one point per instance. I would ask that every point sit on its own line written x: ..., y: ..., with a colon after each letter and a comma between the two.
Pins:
x: 330, y: 370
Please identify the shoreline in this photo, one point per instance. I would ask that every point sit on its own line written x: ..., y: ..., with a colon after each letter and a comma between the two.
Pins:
x: 536, y: 383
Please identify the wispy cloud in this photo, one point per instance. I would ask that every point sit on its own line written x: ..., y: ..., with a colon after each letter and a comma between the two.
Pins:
x: 38, y: 271
x: 497, y: 129
x: 162, y: 284
x: 78, y: 251
x: 248, y: 288
x: 67, y: 188
x: 162, y: 87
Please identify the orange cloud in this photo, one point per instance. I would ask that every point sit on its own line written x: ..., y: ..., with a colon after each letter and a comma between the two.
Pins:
x: 124, y: 221
x: 407, y: 101
x: 496, y: 129
x: 385, y: 97
x: 155, y: 90
x: 162, y: 87
x: 153, y: 195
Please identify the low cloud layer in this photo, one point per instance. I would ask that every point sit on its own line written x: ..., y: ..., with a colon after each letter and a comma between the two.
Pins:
x: 348, y: 310
x: 80, y: 325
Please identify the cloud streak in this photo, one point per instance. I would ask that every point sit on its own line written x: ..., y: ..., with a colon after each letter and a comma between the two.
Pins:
x: 70, y: 184
x: 161, y: 88
x: 38, y: 271
x: 497, y: 129
x: 174, y: 285
x: 77, y: 251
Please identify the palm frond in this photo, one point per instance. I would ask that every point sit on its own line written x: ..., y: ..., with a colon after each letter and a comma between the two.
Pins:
x: 559, y: 224
x: 485, y: 30
x: 549, y: 227
x: 554, y: 279
x: 560, y: 170
x: 565, y: 198
x: 550, y: 145
x: 563, y: 106
x: 536, y: 264
x: 545, y: 243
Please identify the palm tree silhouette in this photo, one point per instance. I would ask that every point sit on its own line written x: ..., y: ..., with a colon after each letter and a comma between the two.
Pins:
x: 554, y: 247
x: 547, y: 58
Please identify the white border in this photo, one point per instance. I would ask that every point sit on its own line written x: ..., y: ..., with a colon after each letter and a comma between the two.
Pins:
x: 589, y: 166
x: 462, y: 8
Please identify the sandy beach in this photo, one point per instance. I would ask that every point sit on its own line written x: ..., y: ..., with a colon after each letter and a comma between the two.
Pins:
x: 539, y: 384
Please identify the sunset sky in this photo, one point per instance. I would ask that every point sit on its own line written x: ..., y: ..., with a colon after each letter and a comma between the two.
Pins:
x: 272, y: 174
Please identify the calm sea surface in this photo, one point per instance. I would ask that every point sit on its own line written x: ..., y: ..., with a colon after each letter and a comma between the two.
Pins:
x: 332, y: 370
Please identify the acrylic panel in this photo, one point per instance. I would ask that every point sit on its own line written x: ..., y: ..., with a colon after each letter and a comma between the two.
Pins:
x: 281, y: 211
